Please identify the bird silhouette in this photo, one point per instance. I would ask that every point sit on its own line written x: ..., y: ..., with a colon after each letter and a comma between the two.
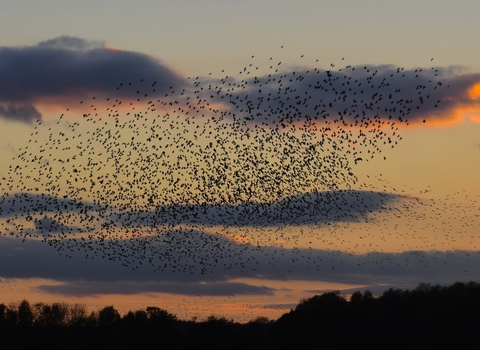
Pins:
x: 185, y: 178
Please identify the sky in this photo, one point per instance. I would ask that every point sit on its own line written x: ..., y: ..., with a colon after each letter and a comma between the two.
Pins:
x: 227, y: 211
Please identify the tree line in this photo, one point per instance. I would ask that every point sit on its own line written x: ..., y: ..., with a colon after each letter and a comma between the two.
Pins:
x: 426, y: 317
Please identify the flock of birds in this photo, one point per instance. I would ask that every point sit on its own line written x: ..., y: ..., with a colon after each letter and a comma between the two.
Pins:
x: 187, y: 178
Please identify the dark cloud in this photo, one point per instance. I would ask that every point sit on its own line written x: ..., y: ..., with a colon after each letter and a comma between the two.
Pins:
x: 320, y: 208
x: 182, y: 243
x: 83, y: 288
x: 376, y: 268
x: 177, y: 231
x: 68, y: 67
x: 39, y: 203
x: 375, y: 289
x: 50, y: 225
x: 25, y: 113
x: 308, y: 208
x: 351, y: 95
x: 80, y: 276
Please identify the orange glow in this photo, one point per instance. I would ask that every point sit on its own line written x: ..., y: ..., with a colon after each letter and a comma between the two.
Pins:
x: 475, y: 117
x: 457, y: 115
x: 473, y: 112
x: 100, y: 106
x: 113, y: 48
x: 241, y: 308
x: 438, y: 121
x: 239, y: 239
x: 474, y: 92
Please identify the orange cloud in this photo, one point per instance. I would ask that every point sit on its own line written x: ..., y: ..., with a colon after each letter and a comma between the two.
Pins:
x: 475, y: 91
x: 460, y: 105
x: 114, y: 48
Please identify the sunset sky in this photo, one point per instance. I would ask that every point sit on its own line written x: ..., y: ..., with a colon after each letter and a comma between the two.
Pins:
x: 410, y: 214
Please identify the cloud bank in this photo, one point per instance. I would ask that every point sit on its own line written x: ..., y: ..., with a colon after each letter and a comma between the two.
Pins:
x: 65, y: 69
x: 355, y: 94
x: 69, y: 69
x: 81, y: 277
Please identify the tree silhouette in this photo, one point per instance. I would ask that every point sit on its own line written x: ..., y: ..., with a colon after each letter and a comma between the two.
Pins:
x: 57, y: 314
x: 11, y: 317
x: 429, y: 316
x: 108, y: 315
x: 356, y: 298
x: 159, y: 315
x: 3, y: 314
x: 25, y: 314
x: 77, y: 314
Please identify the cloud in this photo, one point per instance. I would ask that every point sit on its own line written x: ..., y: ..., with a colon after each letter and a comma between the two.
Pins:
x: 71, y: 43
x: 195, y: 244
x: 319, y: 208
x: 376, y: 289
x: 69, y: 68
x: 52, y: 216
x: 81, y: 276
x: 364, y: 96
x: 48, y: 224
x: 25, y: 113
x: 39, y: 203
x: 83, y: 288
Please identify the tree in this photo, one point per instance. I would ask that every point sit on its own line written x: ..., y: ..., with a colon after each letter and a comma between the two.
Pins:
x: 77, y: 314
x: 157, y: 314
x: 3, y: 314
x: 57, y: 314
x: 356, y: 297
x: 11, y: 317
x: 261, y: 320
x: 25, y: 314
x: 108, y: 315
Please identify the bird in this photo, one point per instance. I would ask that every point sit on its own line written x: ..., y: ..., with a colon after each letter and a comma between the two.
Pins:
x: 213, y: 173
